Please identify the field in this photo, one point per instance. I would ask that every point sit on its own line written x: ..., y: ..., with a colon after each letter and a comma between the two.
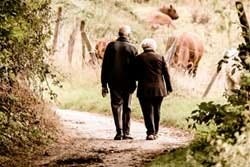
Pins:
x: 82, y: 85
x: 82, y: 89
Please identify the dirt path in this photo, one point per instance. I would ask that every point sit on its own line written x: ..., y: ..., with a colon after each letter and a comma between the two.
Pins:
x: 88, y: 141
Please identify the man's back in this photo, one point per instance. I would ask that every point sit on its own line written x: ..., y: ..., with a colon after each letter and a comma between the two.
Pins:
x: 117, y: 64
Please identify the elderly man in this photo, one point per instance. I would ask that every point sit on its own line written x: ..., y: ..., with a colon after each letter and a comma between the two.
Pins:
x: 116, y: 73
x: 153, y: 84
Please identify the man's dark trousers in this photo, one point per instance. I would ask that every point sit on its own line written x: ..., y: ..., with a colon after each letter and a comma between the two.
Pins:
x: 120, y: 104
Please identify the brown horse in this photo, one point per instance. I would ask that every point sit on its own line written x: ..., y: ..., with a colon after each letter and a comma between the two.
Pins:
x: 163, y: 16
x: 141, y: 1
x: 188, y: 50
x: 100, y: 47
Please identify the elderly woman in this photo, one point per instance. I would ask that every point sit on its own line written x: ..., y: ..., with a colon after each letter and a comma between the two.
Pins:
x: 153, y: 84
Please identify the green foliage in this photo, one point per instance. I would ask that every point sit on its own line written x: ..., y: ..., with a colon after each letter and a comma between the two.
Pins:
x: 200, y: 152
x: 24, y: 34
x: 226, y: 122
x: 227, y: 119
x: 245, y: 54
x: 236, y: 155
x: 230, y: 122
x: 175, y: 158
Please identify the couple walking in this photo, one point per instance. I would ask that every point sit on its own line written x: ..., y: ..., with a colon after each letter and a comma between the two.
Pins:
x: 121, y: 68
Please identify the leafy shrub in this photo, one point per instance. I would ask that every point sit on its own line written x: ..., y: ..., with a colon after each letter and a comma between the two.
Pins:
x: 228, y: 131
x: 236, y: 155
x: 24, y: 34
x: 227, y: 119
x: 24, y: 124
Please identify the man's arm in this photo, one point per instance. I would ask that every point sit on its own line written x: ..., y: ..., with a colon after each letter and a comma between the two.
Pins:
x: 106, y: 66
x: 132, y: 69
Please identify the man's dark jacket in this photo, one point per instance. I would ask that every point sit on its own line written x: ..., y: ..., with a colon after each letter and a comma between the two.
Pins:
x: 117, y: 65
x: 152, y: 75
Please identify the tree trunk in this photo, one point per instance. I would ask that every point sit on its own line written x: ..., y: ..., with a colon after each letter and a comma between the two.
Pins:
x: 244, y: 47
x: 56, y: 32
x: 243, y: 21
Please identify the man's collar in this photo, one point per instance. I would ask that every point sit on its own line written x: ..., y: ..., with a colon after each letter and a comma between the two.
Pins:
x: 122, y: 39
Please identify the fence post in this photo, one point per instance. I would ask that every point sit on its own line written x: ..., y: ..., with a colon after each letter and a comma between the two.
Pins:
x: 71, y: 42
x: 85, y: 40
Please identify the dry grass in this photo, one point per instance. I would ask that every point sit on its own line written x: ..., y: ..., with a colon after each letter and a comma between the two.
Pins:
x: 103, y: 19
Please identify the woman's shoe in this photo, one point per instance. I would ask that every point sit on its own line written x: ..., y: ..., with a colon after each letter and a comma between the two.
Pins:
x: 150, y: 137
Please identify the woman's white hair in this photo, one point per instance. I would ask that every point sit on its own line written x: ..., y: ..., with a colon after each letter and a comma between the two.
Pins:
x: 148, y: 43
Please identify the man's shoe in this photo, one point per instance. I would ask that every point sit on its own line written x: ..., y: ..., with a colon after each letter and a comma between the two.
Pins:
x: 150, y: 137
x: 118, y: 137
x: 127, y: 137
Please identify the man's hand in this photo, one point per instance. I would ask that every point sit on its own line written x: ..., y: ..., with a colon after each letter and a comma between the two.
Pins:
x: 169, y: 92
x: 104, y: 92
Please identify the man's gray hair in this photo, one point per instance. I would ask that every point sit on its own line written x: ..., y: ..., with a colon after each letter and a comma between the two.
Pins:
x: 149, y: 43
x: 124, y: 30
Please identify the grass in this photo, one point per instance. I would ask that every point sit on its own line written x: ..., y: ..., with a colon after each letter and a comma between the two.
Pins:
x: 84, y: 94
x: 174, y: 158
x: 103, y: 19
x: 176, y: 109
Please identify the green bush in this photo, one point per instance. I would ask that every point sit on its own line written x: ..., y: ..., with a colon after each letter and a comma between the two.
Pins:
x: 227, y: 125
x: 24, y: 34
x: 236, y: 155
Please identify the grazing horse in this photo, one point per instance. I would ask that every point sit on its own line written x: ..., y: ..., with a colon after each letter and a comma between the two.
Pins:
x: 100, y: 47
x: 186, y: 52
x: 163, y: 16
x: 141, y: 1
